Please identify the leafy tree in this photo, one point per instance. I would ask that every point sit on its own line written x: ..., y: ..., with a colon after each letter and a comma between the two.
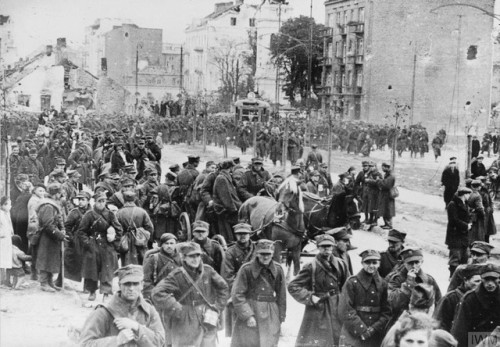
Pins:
x: 290, y: 49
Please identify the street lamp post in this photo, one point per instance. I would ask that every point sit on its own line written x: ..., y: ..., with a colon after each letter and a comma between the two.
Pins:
x: 139, y: 45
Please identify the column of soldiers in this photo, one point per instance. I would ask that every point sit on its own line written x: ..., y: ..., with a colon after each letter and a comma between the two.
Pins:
x: 190, y: 283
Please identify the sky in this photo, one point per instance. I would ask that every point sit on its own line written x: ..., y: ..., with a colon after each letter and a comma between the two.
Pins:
x: 40, y: 22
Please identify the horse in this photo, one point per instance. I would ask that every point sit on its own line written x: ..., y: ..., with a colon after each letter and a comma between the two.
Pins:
x: 281, y: 221
x: 340, y: 209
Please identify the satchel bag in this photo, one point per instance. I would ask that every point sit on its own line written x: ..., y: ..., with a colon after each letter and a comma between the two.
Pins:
x: 210, y: 316
x: 141, y: 237
x: 124, y: 242
x: 394, y: 192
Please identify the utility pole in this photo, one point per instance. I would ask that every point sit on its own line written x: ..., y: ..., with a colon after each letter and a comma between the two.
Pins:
x: 181, y: 75
x: 139, y: 45
x: 309, y: 78
x: 412, y: 102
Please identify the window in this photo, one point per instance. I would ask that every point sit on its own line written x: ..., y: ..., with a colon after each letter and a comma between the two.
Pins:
x: 329, y: 52
x: 343, y: 78
x: 349, y: 78
x: 346, y: 20
x: 350, y: 46
x: 361, y: 14
x: 331, y: 20
x: 251, y: 22
x: 352, y: 15
x: 338, y: 53
x: 233, y: 21
x: 338, y: 18
x: 344, y: 49
x: 23, y: 100
x: 359, y: 78
x: 336, y: 79
x: 360, y: 46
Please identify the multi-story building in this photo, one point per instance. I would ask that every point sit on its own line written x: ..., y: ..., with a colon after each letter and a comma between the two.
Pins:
x: 435, y: 56
x: 8, y: 50
x: 134, y: 57
x: 227, y: 30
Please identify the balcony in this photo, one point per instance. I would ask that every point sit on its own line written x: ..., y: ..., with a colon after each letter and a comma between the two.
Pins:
x: 340, y: 60
x: 351, y: 59
x: 359, y: 59
x: 326, y: 61
x: 342, y: 30
x: 359, y: 29
x: 328, y: 33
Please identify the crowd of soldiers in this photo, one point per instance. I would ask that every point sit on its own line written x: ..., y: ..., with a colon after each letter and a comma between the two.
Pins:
x: 87, y: 199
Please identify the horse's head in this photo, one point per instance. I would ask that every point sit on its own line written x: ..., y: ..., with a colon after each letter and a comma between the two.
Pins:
x: 352, y: 209
x: 290, y: 195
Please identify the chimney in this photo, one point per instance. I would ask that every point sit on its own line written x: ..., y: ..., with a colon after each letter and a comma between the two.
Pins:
x: 48, y: 50
x: 222, y: 6
x: 61, y: 42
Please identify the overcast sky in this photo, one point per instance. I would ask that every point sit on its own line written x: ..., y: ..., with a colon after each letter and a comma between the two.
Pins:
x: 39, y: 22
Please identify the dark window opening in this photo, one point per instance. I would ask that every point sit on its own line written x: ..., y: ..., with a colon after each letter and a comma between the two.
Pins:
x: 472, y: 52
x: 233, y: 21
x: 251, y: 22
x: 126, y: 34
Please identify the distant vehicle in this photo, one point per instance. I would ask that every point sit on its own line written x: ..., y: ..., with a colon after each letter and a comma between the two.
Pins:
x: 251, y: 109
x: 292, y: 113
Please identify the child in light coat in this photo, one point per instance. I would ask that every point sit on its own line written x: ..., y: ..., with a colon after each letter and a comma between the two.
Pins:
x: 16, y: 273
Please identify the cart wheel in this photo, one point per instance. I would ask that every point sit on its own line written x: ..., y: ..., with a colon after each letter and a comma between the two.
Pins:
x: 185, y: 225
x: 221, y: 241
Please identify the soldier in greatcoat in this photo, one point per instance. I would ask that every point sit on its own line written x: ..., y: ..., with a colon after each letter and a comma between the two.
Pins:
x: 446, y: 308
x: 33, y: 168
x: 226, y: 201
x: 186, y: 294
x: 477, y: 231
x: 314, y: 158
x: 51, y: 234
x: 457, y: 229
x: 390, y: 258
x: 159, y: 263
x: 318, y: 286
x: 450, y: 180
x: 364, y: 308
x: 252, y: 180
x: 141, y: 154
x: 73, y: 252
x: 127, y: 319
x: 241, y: 252
x: 99, y: 233
x: 403, y: 281
x: 386, y: 203
x: 479, y: 254
x: 372, y: 201
x: 479, y: 310
x: 259, y: 299
x: 212, y: 253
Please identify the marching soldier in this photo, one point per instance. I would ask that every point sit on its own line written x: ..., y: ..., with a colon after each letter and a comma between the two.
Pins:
x: 479, y: 310
x: 363, y: 305
x: 318, y: 286
x: 187, y: 294
x: 212, y: 253
x: 259, y: 299
x: 238, y: 254
x: 314, y: 158
x: 402, y: 282
x: 450, y: 179
x: 390, y: 258
x: 252, y: 181
x: 446, y: 308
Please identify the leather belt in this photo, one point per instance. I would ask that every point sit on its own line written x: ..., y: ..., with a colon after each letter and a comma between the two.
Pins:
x: 264, y: 298
x: 367, y: 308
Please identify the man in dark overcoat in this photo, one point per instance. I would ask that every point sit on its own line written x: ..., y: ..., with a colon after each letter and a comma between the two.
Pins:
x: 477, y: 232
x: 127, y: 319
x: 141, y: 154
x: 314, y: 158
x: 371, y: 203
x: 252, y: 180
x: 450, y: 179
x: 390, y: 259
x: 386, y: 203
x: 318, y: 286
x: 446, y: 308
x: 402, y: 282
x: 226, y: 201
x: 51, y: 233
x: 363, y: 307
x: 241, y: 252
x: 457, y: 229
x: 479, y: 310
x: 99, y: 234
x: 186, y: 303
x: 259, y: 299
x: 212, y: 253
